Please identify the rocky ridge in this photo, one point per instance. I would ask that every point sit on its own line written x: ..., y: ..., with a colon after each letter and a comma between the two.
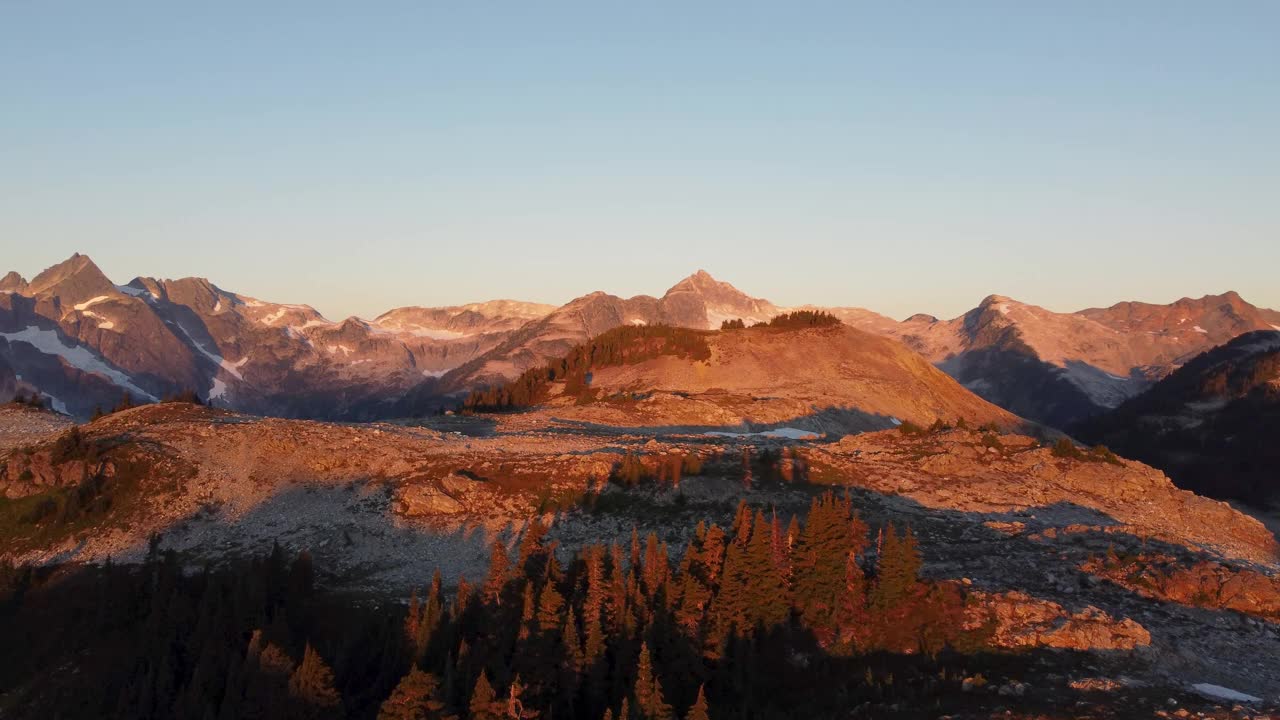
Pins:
x: 1060, y: 368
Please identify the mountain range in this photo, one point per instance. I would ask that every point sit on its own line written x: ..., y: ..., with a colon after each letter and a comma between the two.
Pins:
x: 1210, y: 424
x: 83, y: 341
x: 1087, y: 579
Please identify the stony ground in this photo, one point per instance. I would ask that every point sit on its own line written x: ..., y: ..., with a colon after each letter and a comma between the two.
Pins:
x: 382, y: 506
x: 21, y: 425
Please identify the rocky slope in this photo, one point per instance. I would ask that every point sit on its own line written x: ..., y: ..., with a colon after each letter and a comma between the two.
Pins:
x: 383, y: 505
x: 1059, y: 368
x: 833, y: 379
x: 83, y: 342
x: 698, y: 301
x: 1212, y: 424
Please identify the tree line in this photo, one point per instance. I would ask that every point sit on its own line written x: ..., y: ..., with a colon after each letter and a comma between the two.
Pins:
x: 623, y: 345
x: 761, y: 619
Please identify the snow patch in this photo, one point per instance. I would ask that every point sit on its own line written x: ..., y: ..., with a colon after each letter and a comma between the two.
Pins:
x: 335, y: 349
x: 269, y: 319
x: 233, y: 368
x: 391, y: 327
x: 1102, y: 387
x: 434, y: 373
x: 787, y: 433
x: 437, y: 334
x: 896, y: 422
x: 217, y: 307
x: 57, y: 404
x: 48, y: 342
x: 90, y: 303
x: 218, y: 389
x: 1217, y: 692
x: 1199, y: 329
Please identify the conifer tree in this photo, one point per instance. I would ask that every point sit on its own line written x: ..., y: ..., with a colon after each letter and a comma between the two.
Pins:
x: 416, y: 697
x: 897, y: 570
x: 550, y: 610
x: 698, y: 711
x: 851, y: 622
x: 731, y: 607
x: 413, y: 617
x: 485, y: 704
x: 533, y: 552
x: 593, y: 606
x: 655, y: 565
x: 571, y: 664
x: 767, y: 596
x: 528, y: 612
x: 499, y: 573
x: 311, y: 688
x: 648, y: 690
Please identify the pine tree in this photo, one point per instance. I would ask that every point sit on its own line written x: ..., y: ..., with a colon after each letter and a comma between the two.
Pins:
x: 311, y: 687
x: 741, y: 523
x: 413, y: 617
x: 655, y: 565
x: 533, y: 552
x: 648, y: 690
x: 698, y: 711
x: 593, y: 606
x: 432, y: 612
x: 897, y: 570
x: 485, y: 704
x: 499, y: 573
x: 832, y: 537
x: 851, y: 623
x: 767, y: 595
x: 416, y: 697
x: 571, y: 664
x: 528, y: 612
x: 267, y: 670
x: 550, y: 610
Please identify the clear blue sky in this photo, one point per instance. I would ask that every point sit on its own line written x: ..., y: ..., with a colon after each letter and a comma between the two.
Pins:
x: 899, y: 156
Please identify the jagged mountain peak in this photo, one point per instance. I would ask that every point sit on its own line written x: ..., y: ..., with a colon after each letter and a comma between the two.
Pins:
x: 76, y: 270
x: 13, y: 283
x: 703, y: 282
x: 719, y: 300
x: 74, y: 280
